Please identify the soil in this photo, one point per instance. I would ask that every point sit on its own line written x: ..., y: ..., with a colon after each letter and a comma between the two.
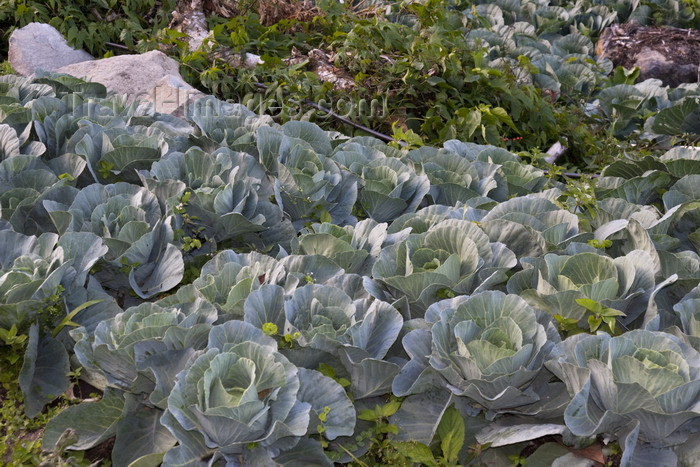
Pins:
x: 594, y: 452
x: 270, y: 12
x: 101, y: 452
x: 677, y: 49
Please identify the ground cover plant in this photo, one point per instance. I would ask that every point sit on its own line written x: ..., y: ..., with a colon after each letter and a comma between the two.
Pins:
x: 247, y: 289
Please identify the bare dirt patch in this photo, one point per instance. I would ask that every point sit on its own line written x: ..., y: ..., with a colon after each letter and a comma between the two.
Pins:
x: 666, y: 53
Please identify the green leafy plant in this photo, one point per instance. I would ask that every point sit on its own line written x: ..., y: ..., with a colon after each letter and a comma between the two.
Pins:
x: 381, y: 449
x: 451, y: 436
x: 600, y: 315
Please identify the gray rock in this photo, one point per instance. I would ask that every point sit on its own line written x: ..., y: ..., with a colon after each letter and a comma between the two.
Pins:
x: 152, y: 77
x: 172, y: 95
x: 134, y: 75
x: 653, y: 64
x: 40, y: 46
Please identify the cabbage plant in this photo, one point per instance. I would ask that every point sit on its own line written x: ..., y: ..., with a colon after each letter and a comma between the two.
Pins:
x: 390, y: 188
x: 679, y: 226
x: 530, y: 225
x: 558, y: 283
x: 688, y: 311
x: 489, y: 347
x: 309, y: 185
x: 233, y: 215
x: 113, y: 151
x: 324, y: 324
x: 454, y: 178
x: 425, y: 218
x: 243, y: 402
x: 451, y: 257
x: 223, y: 200
x: 141, y: 256
x: 222, y: 124
x: 39, y: 279
x: 682, y: 160
x: 27, y: 181
x: 133, y: 358
x: 353, y: 248
x: 642, y: 387
x: 638, y: 183
x: 500, y: 171
x: 229, y: 277
x: 197, y: 168
x: 357, y: 152
x: 358, y: 334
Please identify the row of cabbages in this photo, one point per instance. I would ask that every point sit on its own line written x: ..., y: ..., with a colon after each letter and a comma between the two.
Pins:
x: 451, y: 290
x: 248, y: 390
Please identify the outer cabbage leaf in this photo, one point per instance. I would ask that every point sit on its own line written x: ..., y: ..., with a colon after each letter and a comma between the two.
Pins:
x: 554, y: 283
x: 228, y: 279
x: 528, y: 224
x: 309, y: 185
x: 355, y: 249
x: 390, y: 188
x: 352, y: 336
x: 223, y: 124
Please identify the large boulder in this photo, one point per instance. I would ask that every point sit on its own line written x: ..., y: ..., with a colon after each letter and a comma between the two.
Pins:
x: 134, y: 75
x: 40, y: 46
x: 152, y: 76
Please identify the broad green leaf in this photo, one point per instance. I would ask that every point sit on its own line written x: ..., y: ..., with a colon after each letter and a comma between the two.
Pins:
x: 369, y: 376
x: 310, y: 133
x: 192, y: 449
x: 149, y: 460
x: 140, y: 433
x: 265, y: 305
x: 420, y: 415
x: 321, y: 392
x: 588, y: 268
x: 9, y: 143
x: 499, y: 435
x: 306, y: 452
x: 93, y: 421
x: 44, y: 373
x: 451, y: 432
x: 677, y: 119
x: 415, y: 451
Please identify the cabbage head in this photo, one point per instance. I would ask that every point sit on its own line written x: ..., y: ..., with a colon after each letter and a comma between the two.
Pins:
x: 353, y: 248
x: 643, y: 386
x: 391, y: 188
x: 491, y: 348
x: 356, y: 333
x: 555, y: 282
x: 228, y: 278
x: 133, y: 358
x: 452, y: 257
x: 243, y: 401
